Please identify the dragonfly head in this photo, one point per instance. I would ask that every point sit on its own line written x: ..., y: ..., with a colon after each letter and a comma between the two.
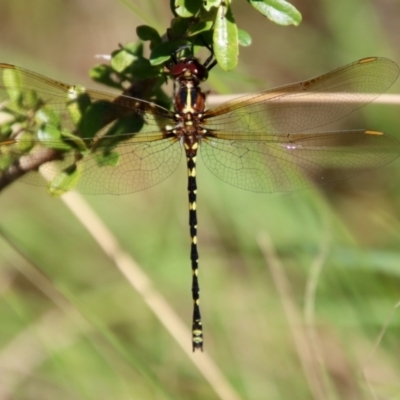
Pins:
x: 188, y: 69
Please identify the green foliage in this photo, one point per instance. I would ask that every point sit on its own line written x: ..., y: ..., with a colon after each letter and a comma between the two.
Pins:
x: 209, y: 24
x: 64, y: 181
x: 279, y: 11
x: 226, y: 39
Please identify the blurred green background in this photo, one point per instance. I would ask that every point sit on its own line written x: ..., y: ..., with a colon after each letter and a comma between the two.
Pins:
x: 71, y: 327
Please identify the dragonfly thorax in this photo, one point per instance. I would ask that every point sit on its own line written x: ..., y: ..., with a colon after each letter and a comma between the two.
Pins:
x: 189, y: 99
x: 187, y: 74
x: 189, y: 103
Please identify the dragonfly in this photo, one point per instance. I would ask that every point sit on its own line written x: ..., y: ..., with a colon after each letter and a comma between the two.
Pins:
x: 270, y: 141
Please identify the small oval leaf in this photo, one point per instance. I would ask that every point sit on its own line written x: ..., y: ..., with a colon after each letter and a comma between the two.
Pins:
x: 199, y: 27
x: 13, y: 83
x: 163, y: 51
x: 225, y: 39
x: 244, y: 38
x: 279, y: 11
x: 64, y: 181
x: 146, y: 32
x: 25, y: 142
x: 48, y: 116
x: 122, y: 60
x: 187, y: 8
x: 6, y: 160
x: 49, y: 133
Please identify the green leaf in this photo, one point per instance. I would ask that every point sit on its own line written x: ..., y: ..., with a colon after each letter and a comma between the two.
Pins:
x: 142, y: 69
x: 96, y: 117
x: 199, y: 27
x: 22, y: 99
x: 78, y: 102
x: 23, y: 143
x: 11, y: 150
x: 187, y: 8
x: 13, y: 83
x: 64, y: 181
x: 279, y: 11
x: 121, y: 60
x: 51, y: 137
x: 6, y: 160
x: 179, y: 27
x: 163, y: 51
x: 212, y: 3
x: 136, y: 48
x: 146, y: 33
x: 103, y: 74
x: 244, y: 38
x: 225, y: 39
x: 49, y: 131
x: 70, y: 139
x: 6, y: 126
x: 30, y: 100
x: 47, y: 116
x: 122, y: 129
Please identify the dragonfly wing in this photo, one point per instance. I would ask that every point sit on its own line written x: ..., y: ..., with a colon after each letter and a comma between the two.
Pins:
x: 60, y: 98
x: 127, y: 135
x: 138, y: 166
x: 286, y: 163
x: 304, y: 105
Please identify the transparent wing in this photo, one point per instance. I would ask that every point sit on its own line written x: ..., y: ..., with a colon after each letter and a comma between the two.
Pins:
x: 304, y: 105
x: 140, y: 165
x: 59, y: 96
x: 284, y: 164
x: 120, y: 158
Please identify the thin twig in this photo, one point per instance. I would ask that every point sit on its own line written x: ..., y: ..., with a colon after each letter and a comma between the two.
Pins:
x: 27, y: 163
x: 390, y: 99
